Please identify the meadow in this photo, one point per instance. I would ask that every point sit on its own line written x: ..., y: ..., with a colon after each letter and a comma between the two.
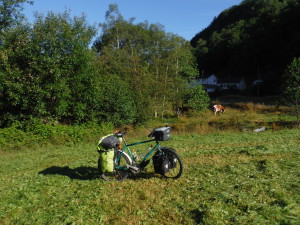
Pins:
x: 231, y: 176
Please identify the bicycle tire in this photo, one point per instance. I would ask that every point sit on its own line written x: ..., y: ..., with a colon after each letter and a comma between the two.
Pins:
x: 175, y: 169
x: 120, y: 172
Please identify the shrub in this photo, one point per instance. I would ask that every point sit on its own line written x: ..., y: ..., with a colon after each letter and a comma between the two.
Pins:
x: 37, y: 133
x: 198, y: 98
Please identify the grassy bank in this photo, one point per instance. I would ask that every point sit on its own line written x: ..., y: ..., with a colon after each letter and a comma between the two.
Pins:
x: 229, y: 178
x: 238, y: 117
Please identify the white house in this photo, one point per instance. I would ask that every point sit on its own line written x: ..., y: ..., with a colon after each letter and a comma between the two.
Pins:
x: 237, y: 83
x: 211, y: 83
x: 211, y: 79
x: 257, y: 82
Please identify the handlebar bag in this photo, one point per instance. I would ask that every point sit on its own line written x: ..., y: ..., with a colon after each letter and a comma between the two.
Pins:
x: 161, y: 134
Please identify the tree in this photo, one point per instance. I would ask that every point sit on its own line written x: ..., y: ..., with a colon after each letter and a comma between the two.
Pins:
x: 198, y: 98
x: 48, y: 70
x: 116, y: 103
x: 14, y: 86
x: 11, y: 12
x: 153, y: 63
x: 290, y: 92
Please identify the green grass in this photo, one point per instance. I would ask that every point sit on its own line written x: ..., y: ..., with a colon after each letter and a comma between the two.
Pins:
x: 238, y: 117
x: 229, y: 178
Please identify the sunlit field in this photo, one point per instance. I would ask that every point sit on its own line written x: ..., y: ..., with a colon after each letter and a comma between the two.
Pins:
x: 229, y: 178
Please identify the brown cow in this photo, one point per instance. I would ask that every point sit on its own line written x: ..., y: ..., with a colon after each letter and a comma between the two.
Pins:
x: 218, y: 108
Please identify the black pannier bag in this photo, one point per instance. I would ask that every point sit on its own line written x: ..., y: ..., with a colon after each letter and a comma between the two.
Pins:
x: 163, y: 161
x: 172, y: 161
x: 110, y: 142
x: 158, y: 160
x: 161, y: 134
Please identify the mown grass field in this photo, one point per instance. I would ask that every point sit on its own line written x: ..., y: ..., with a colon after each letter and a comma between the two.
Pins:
x: 229, y: 178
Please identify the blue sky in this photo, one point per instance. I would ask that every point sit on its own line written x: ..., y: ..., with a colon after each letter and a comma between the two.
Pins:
x: 182, y: 17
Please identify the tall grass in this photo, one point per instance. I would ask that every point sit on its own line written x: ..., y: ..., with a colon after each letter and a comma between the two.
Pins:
x: 238, y: 117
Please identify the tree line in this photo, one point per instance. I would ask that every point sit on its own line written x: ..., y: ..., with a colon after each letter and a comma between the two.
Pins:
x: 59, y: 69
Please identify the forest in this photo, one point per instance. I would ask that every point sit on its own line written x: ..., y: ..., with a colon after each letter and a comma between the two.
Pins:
x: 256, y: 39
x: 57, y: 69
x: 61, y: 69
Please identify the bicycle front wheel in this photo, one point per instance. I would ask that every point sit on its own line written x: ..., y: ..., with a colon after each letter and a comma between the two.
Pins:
x: 172, y: 166
x: 121, y: 170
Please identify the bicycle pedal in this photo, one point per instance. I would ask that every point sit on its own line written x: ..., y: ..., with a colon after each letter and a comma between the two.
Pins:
x: 134, y: 169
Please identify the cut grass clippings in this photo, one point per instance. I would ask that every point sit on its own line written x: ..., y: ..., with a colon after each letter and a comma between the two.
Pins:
x: 229, y: 178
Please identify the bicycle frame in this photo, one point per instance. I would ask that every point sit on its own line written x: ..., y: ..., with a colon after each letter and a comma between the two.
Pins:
x: 166, y: 161
x: 127, y: 147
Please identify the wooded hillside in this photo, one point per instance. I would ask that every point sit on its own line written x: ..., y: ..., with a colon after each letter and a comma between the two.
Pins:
x: 255, y: 39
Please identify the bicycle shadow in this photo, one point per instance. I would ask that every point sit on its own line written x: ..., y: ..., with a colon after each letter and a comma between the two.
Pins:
x: 89, y: 173
x: 79, y: 173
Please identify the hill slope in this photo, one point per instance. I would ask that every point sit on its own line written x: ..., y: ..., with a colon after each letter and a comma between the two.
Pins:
x: 255, y: 38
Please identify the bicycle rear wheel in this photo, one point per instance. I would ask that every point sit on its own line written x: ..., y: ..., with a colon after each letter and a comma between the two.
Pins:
x: 172, y: 166
x: 120, y: 168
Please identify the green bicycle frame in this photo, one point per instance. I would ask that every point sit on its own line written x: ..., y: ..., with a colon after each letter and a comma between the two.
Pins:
x: 127, y: 147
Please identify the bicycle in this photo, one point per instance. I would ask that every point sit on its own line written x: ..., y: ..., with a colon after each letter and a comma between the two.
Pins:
x: 166, y: 161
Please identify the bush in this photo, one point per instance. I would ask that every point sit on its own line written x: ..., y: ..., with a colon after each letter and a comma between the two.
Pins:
x: 35, y: 132
x: 117, y: 105
x: 198, y: 98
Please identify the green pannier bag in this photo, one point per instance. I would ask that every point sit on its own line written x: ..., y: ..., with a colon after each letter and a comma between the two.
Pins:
x: 106, y: 149
x: 107, y: 160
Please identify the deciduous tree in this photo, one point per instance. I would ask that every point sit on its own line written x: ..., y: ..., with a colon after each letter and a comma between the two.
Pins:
x: 290, y: 92
x: 48, y: 70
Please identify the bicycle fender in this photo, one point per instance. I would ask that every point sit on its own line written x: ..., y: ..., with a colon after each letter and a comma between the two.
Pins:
x: 163, y: 148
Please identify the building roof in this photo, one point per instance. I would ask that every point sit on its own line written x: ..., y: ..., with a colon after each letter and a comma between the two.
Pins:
x: 206, y: 76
